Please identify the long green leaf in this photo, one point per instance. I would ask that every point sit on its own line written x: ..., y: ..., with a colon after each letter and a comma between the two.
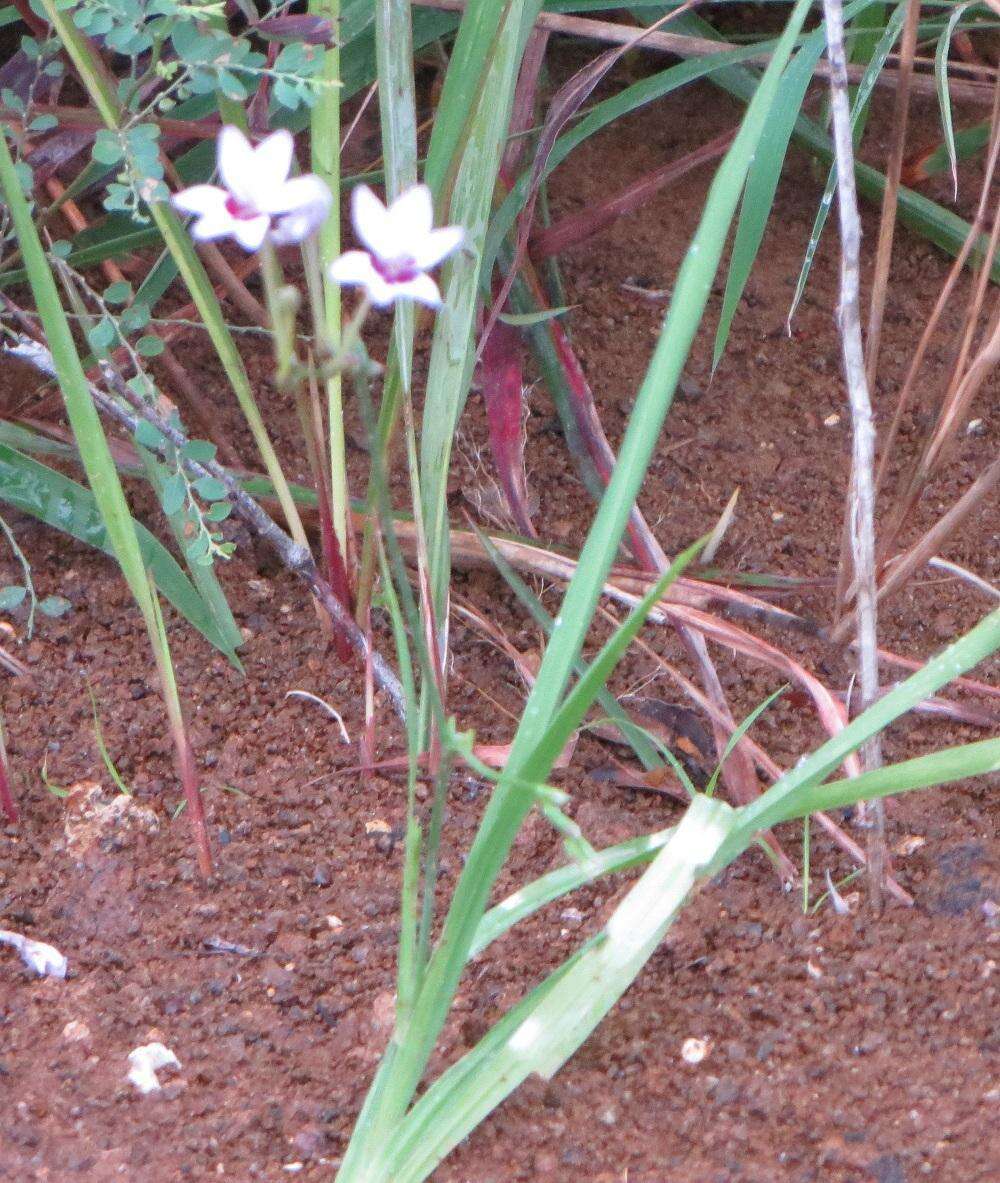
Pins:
x: 941, y: 86
x: 91, y: 441
x: 490, y: 89
x: 60, y: 502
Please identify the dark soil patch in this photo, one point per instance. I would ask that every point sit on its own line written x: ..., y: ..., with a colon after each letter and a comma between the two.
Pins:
x: 839, y: 1049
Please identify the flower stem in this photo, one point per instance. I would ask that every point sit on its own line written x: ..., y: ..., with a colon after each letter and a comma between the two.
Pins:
x: 325, y: 147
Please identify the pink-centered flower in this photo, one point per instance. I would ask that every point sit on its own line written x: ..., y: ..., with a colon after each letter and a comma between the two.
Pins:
x: 401, y: 247
x: 257, y: 200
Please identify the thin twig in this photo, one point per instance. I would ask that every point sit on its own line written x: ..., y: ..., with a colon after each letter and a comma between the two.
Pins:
x: 862, y: 492
x: 969, y: 577
x: 890, y: 198
x: 957, y: 268
x: 294, y: 558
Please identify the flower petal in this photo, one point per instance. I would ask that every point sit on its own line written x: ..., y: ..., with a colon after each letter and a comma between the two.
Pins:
x: 272, y: 158
x: 307, y: 195
x: 251, y: 232
x: 218, y: 224
x: 370, y: 219
x: 200, y: 199
x: 357, y: 268
x: 436, y: 245
x: 411, y: 216
x: 236, y: 163
x: 421, y: 288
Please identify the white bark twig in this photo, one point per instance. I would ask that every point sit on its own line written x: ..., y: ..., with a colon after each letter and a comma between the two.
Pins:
x: 862, y: 492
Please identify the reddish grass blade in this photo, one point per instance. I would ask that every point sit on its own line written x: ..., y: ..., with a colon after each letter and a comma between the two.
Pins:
x: 303, y: 27
x: 578, y: 227
x: 502, y: 380
x: 565, y: 104
x: 523, y: 109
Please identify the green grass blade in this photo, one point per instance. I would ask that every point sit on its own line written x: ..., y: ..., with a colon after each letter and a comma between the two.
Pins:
x: 643, y: 748
x: 941, y: 86
x: 738, y: 734
x: 545, y: 890
x: 475, y: 173
x: 580, y: 699
x: 91, y: 441
x: 765, y: 172
x: 922, y: 772
x: 959, y: 657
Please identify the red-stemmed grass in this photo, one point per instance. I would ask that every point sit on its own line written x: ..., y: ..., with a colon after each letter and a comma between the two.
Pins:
x: 503, y: 385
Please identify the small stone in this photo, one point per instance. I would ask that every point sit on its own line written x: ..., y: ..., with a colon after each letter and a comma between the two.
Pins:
x: 693, y: 1051
x: 726, y: 1091
x: 76, y: 1031
x: 831, y: 420
x: 608, y: 1117
x: 945, y: 625
x: 887, y: 1168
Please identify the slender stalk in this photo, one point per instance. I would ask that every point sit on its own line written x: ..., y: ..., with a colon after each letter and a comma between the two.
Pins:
x: 324, y: 143
x: 103, y: 477
x: 862, y: 494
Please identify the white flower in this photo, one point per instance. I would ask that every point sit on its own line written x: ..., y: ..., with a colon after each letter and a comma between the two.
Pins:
x: 257, y: 199
x: 401, y: 247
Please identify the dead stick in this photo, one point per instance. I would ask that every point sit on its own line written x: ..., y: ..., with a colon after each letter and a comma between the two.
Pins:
x: 863, y: 461
x: 683, y: 46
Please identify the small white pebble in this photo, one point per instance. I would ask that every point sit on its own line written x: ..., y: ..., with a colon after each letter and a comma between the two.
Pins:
x: 44, y: 960
x: 693, y: 1051
x: 975, y: 427
x: 144, y: 1062
x: 831, y: 420
x: 293, y: 1168
x: 777, y: 516
x: 813, y: 970
x: 75, y: 1031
